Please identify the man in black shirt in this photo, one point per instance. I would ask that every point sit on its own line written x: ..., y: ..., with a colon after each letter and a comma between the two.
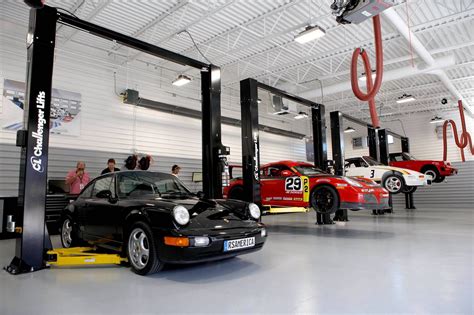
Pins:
x: 110, y: 167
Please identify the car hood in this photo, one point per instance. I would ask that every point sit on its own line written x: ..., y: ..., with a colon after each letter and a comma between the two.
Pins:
x: 210, y: 214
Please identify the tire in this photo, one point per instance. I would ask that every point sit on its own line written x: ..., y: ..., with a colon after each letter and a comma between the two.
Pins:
x: 237, y: 193
x: 433, y: 172
x: 141, y: 250
x: 394, y: 183
x: 440, y: 179
x: 68, y: 233
x: 324, y: 199
x: 409, y: 189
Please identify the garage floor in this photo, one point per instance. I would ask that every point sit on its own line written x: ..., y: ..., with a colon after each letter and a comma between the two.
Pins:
x: 409, y: 262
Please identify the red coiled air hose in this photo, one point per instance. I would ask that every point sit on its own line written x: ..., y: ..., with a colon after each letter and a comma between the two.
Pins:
x: 372, y: 88
x: 462, y: 141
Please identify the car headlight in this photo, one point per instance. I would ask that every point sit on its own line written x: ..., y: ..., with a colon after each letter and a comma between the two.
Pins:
x: 254, y: 211
x: 181, y: 215
x: 352, y: 182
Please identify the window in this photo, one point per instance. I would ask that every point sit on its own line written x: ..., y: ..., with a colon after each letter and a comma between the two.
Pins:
x: 275, y: 170
x: 149, y: 183
x: 87, y: 192
x: 102, y: 184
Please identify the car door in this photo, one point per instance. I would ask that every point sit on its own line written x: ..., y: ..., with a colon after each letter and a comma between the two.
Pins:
x: 277, y: 190
x: 102, y: 212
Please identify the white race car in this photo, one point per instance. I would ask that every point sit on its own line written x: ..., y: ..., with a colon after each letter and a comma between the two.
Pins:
x: 394, y: 179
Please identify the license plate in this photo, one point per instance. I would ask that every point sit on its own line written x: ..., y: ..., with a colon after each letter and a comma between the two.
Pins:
x: 239, y: 244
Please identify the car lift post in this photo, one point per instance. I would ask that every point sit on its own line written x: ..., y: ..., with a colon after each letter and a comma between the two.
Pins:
x: 250, y: 134
x: 34, y: 242
x: 337, y: 141
x: 34, y: 142
x: 385, y: 158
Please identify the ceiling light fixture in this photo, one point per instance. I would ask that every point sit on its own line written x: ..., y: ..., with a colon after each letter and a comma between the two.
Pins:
x: 301, y: 115
x: 436, y: 120
x: 310, y: 33
x: 363, y: 77
x: 349, y: 130
x: 405, y: 99
x: 181, y: 80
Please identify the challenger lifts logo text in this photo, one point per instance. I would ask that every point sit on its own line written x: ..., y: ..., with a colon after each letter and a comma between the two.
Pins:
x: 36, y: 159
x: 255, y: 158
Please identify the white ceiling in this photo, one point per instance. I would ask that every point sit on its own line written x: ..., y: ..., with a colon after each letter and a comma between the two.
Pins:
x: 255, y: 39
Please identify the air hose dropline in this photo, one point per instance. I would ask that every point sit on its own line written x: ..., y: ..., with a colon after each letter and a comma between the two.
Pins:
x: 463, y: 141
x: 372, y: 88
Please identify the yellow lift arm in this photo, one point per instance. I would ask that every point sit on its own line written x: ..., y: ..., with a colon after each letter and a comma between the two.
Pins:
x: 77, y: 256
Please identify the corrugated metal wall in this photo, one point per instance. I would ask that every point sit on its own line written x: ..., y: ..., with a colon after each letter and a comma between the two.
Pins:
x: 457, y: 192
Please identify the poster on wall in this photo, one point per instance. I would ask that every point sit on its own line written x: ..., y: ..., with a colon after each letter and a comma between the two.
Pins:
x: 65, y: 109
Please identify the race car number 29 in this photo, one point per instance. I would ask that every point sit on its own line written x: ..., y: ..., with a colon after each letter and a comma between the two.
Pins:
x: 293, y: 183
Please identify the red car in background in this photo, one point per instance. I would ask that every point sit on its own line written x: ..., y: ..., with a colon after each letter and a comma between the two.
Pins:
x: 300, y: 184
x: 438, y: 170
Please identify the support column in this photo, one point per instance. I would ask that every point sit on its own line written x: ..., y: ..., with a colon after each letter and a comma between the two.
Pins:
x: 383, y: 146
x: 319, y: 136
x: 372, y: 142
x: 212, y: 148
x: 250, y: 140
x: 405, y: 144
x: 34, y: 140
x: 337, y: 140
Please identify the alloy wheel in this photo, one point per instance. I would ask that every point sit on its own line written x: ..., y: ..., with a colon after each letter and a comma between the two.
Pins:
x: 138, y: 248
x: 432, y: 174
x: 66, y: 233
x: 324, y: 200
x: 393, y: 184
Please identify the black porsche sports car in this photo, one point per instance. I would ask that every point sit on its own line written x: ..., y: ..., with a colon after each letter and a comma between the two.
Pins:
x: 152, y: 219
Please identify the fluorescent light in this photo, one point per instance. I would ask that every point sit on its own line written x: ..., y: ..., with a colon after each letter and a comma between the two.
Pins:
x: 363, y: 77
x: 301, y: 115
x: 349, y: 130
x: 309, y: 34
x: 181, y: 80
x: 405, y: 99
x: 436, y: 120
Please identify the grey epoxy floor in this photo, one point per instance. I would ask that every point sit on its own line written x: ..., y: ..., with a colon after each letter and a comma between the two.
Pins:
x: 408, y: 262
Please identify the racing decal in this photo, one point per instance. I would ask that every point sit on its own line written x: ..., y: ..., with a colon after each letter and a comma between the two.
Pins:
x: 372, y: 173
x: 305, y: 181
x: 293, y: 184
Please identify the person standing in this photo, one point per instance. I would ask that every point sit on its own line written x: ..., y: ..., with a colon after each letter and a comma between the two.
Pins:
x: 110, y: 167
x: 77, y: 179
x: 175, y: 170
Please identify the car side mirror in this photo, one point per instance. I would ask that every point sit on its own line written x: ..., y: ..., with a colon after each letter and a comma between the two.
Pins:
x: 200, y: 194
x: 286, y: 173
x: 104, y: 194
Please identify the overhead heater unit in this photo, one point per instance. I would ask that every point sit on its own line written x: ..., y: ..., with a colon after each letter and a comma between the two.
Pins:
x: 279, y: 108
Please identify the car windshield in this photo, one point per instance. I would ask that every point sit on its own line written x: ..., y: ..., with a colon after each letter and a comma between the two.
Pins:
x: 371, y: 161
x: 133, y: 184
x: 408, y: 157
x: 308, y: 170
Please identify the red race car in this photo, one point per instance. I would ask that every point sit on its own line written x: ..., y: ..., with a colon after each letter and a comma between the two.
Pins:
x: 300, y: 184
x: 438, y: 170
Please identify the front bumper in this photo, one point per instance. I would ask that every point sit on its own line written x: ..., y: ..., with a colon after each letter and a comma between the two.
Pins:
x: 215, y: 249
x: 367, y: 201
x: 415, y: 180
